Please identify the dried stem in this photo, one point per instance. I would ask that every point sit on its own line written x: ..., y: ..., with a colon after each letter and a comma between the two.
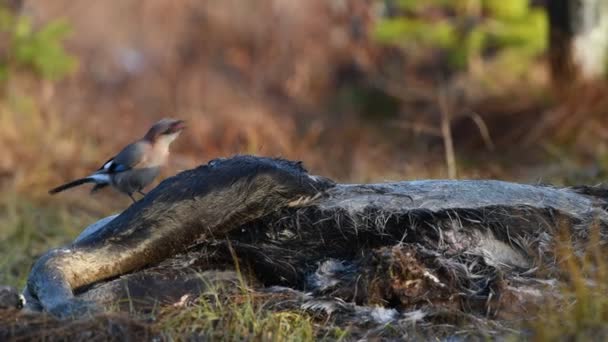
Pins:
x: 446, y: 133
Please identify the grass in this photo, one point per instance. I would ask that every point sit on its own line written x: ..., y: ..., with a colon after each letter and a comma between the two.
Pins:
x: 581, y: 312
x: 28, y: 230
x: 236, y: 318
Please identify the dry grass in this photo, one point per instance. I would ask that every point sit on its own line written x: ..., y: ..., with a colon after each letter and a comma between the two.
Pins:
x: 581, y: 312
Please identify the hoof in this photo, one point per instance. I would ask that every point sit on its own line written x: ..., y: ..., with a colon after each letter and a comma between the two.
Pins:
x: 10, y: 298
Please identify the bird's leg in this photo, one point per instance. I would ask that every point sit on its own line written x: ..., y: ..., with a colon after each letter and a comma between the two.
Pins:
x: 141, y: 193
x: 132, y: 198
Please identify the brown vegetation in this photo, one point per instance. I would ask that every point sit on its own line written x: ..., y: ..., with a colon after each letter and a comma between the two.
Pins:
x: 304, y: 80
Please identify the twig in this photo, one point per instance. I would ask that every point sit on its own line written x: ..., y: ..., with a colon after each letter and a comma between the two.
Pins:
x: 483, y: 130
x: 420, y: 128
x: 446, y: 132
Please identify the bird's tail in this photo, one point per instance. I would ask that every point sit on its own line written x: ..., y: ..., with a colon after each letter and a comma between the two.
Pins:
x: 72, y: 184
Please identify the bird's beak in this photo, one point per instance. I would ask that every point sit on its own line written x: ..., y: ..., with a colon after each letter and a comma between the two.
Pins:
x: 178, y: 126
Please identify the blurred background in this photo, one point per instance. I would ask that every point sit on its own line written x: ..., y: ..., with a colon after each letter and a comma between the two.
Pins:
x: 360, y: 90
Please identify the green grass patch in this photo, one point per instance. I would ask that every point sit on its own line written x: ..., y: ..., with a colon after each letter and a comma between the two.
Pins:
x: 28, y: 229
x: 236, y: 318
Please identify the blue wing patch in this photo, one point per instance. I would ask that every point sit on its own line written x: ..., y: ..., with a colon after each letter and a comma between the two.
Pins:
x: 118, y: 167
x: 112, y: 167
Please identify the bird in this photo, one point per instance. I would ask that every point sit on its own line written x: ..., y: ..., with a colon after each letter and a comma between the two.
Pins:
x: 136, y: 165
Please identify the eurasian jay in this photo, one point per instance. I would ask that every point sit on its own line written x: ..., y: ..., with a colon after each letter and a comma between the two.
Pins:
x: 137, y: 165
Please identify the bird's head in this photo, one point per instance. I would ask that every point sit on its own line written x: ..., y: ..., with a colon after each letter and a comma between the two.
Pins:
x: 165, y: 130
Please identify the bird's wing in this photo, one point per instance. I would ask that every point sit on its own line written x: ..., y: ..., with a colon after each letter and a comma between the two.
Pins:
x: 126, y: 159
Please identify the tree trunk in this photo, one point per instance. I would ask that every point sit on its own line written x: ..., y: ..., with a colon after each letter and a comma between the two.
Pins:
x: 578, y: 40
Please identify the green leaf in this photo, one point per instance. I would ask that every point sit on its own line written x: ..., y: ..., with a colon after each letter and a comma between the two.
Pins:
x: 391, y: 30
x: 415, y: 31
x: 528, y: 33
x: 507, y: 9
x: 55, y: 31
x: 472, y: 45
x: 42, y: 51
x: 441, y: 34
x: 23, y: 28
